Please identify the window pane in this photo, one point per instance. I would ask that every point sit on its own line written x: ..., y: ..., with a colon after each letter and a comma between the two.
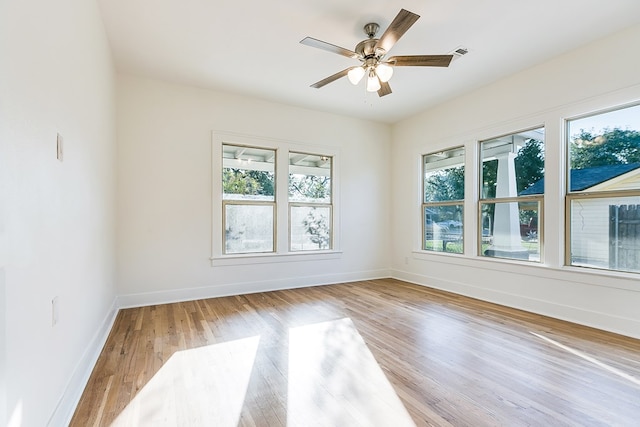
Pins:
x: 248, y: 173
x: 513, y: 165
x: 444, y: 175
x: 510, y: 230
x: 604, y: 151
x: 443, y: 228
x: 310, y: 228
x: 309, y: 178
x: 605, y: 233
x: 248, y: 228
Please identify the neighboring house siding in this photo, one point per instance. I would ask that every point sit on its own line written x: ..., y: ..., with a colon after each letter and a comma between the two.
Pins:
x: 590, y: 233
x: 590, y: 219
x: 628, y: 181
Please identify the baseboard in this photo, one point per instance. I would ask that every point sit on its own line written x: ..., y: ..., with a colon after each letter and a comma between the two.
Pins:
x: 598, y: 320
x: 73, y: 391
x: 178, y: 295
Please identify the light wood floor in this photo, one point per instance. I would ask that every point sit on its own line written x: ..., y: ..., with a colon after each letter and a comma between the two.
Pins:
x: 373, y: 353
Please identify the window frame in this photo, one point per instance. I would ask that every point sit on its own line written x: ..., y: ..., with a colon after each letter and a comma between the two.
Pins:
x: 226, y: 203
x: 457, y: 202
x: 534, y: 198
x: 246, y: 202
x: 294, y: 203
x: 571, y: 196
x: 313, y: 205
x: 594, y: 195
x: 539, y: 199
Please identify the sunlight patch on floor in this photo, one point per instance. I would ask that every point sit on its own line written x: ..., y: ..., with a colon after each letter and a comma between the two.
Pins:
x: 590, y: 359
x: 334, y: 380
x: 203, y: 386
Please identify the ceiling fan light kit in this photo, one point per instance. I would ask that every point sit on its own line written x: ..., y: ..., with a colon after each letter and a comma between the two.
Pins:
x: 371, y: 53
x: 356, y: 74
x: 384, y: 72
x: 373, y: 84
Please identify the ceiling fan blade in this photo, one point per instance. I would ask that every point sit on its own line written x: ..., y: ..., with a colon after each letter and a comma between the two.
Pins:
x: 310, y: 41
x: 421, y: 60
x: 331, y: 78
x: 385, y: 89
x: 400, y: 24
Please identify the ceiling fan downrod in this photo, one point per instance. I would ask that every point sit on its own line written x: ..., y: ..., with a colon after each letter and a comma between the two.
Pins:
x: 371, y: 29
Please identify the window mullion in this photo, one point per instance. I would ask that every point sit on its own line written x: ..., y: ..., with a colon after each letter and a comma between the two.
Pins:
x: 282, y: 201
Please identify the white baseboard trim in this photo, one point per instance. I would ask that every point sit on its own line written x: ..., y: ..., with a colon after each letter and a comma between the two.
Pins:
x: 178, y: 295
x: 75, y: 386
x: 603, y: 321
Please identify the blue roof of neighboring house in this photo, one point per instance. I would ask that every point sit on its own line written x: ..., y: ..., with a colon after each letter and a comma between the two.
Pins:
x: 581, y: 179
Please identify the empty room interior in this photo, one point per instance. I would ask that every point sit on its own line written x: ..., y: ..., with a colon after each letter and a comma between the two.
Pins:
x: 319, y: 213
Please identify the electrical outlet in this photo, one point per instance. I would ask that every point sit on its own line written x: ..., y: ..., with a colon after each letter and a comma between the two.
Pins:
x: 59, y: 151
x: 54, y: 311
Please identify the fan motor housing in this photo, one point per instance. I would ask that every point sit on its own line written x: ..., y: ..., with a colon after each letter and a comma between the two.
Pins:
x: 366, y: 49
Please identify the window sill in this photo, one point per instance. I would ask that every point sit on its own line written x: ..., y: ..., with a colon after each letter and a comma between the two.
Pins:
x: 269, y: 258
x: 418, y: 253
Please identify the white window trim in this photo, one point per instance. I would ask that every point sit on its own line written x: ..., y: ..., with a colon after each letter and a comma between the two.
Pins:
x: 282, y: 253
x: 553, y: 119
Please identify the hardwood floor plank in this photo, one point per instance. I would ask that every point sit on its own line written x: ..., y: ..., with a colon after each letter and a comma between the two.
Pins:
x: 446, y: 360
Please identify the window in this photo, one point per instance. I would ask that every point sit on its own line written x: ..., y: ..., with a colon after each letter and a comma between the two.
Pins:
x: 310, y: 208
x: 273, y: 201
x: 603, y: 190
x: 443, y: 201
x: 249, y: 204
x: 511, y: 196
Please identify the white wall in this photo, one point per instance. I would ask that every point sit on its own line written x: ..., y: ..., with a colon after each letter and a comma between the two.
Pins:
x: 57, y: 218
x: 165, y: 197
x: 600, y: 75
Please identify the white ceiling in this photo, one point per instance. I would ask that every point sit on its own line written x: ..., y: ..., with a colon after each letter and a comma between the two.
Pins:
x: 252, y: 46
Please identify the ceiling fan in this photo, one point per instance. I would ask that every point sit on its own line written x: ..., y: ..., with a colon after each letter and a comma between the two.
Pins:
x: 372, y: 51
